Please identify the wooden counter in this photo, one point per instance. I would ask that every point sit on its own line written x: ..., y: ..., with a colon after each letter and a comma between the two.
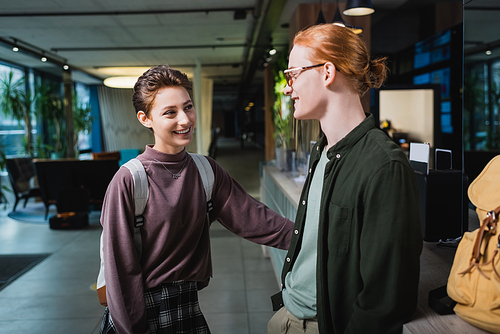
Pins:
x: 281, y: 193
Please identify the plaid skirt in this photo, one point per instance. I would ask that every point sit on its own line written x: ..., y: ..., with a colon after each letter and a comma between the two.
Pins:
x: 171, y: 308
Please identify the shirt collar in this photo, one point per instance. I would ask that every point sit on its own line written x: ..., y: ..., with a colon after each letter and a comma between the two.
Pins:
x: 338, y: 150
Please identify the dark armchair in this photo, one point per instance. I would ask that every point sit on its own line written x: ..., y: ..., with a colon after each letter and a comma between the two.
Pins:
x: 21, y: 171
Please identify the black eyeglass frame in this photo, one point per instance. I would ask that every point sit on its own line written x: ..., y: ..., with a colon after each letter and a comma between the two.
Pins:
x: 288, y: 76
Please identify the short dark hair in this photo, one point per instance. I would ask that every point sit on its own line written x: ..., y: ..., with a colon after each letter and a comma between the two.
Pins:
x: 154, y: 79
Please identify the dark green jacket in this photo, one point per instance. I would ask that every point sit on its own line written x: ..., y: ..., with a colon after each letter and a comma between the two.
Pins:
x: 369, y: 237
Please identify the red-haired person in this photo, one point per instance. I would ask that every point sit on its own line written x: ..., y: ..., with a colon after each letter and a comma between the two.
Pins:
x: 353, y: 266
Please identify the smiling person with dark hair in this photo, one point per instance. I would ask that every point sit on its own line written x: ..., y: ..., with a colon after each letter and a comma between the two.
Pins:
x: 157, y: 293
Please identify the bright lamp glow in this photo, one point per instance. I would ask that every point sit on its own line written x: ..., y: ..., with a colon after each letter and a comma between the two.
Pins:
x: 358, y: 8
x: 356, y: 30
x: 120, y: 82
x: 360, y: 11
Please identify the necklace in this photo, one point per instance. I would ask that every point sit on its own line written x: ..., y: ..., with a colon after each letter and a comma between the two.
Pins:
x: 176, y: 175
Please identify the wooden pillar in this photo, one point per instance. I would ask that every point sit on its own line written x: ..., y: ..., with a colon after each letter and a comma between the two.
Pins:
x: 448, y: 15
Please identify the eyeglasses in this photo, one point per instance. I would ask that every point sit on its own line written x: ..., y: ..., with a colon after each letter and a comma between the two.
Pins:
x: 288, y: 72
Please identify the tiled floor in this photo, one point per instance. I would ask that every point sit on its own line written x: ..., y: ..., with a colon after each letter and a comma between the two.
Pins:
x: 56, y: 296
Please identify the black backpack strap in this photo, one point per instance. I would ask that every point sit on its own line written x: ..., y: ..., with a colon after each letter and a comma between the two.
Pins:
x: 436, y: 302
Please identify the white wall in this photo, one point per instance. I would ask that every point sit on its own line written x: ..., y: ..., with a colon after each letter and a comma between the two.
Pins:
x: 411, y: 111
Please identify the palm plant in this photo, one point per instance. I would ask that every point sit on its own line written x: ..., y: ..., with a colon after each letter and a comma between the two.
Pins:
x: 281, y: 118
x: 17, y: 102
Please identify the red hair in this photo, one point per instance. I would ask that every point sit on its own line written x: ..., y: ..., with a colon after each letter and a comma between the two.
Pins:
x: 347, y: 51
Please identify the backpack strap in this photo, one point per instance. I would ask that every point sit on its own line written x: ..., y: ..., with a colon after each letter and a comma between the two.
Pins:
x: 141, y: 195
x: 207, y: 177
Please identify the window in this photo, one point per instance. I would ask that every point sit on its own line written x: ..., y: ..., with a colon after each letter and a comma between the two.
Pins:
x: 12, y: 130
x: 481, y: 106
x: 82, y: 117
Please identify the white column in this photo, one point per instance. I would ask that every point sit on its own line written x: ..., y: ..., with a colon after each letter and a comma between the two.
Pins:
x: 206, y: 101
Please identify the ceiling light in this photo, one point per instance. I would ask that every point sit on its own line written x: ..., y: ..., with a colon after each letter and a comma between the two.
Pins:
x: 356, y: 30
x: 15, y: 49
x: 122, y: 71
x: 358, y: 7
x: 488, y: 52
x: 66, y: 67
x: 339, y: 21
x: 121, y: 82
x: 272, y: 52
x: 43, y: 59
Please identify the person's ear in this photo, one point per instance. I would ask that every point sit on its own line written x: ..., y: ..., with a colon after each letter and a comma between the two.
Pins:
x: 141, y: 116
x: 330, y: 72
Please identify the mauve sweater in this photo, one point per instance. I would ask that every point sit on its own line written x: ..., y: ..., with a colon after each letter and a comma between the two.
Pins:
x: 175, y: 235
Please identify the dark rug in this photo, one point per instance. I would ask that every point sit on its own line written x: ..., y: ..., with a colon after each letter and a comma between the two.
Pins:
x: 34, y: 213
x: 13, y: 266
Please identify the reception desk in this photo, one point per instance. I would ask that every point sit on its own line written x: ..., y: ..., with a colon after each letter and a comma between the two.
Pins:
x: 281, y: 193
x: 62, y: 174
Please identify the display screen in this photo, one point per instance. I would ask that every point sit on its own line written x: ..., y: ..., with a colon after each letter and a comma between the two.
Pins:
x: 432, y: 50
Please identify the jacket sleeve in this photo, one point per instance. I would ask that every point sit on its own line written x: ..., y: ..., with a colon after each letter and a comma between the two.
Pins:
x: 390, y: 245
x: 245, y: 216
x: 122, y: 271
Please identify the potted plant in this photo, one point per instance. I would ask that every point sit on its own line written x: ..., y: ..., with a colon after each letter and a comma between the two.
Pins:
x: 17, y: 103
x: 281, y: 117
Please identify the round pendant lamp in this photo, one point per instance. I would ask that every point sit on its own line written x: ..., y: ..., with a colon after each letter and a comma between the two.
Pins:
x: 358, y: 8
x: 339, y: 21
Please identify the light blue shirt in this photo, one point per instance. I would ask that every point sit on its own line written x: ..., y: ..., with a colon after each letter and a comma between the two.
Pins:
x: 299, y: 294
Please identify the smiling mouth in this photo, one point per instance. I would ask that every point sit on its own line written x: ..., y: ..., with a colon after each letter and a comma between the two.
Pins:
x: 183, y: 131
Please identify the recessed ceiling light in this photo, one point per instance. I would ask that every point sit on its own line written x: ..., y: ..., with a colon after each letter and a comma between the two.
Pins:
x: 121, y: 82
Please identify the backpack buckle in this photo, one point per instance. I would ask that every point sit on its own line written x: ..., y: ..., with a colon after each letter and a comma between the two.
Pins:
x: 138, y: 221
